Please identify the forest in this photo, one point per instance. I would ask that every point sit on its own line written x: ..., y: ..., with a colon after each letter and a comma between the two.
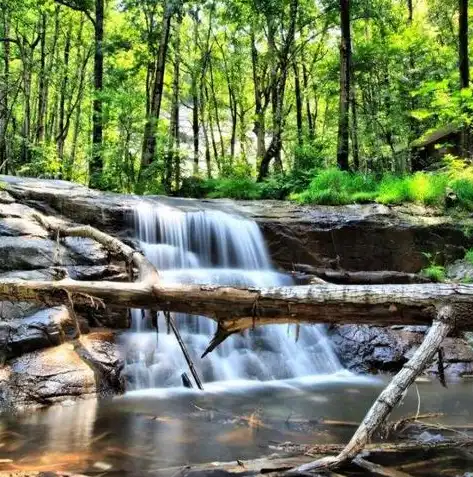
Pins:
x: 327, y: 102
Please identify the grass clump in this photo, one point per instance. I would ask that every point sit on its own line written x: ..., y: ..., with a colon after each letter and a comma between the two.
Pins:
x: 235, y: 188
x: 336, y: 187
x: 436, y: 273
x: 469, y: 256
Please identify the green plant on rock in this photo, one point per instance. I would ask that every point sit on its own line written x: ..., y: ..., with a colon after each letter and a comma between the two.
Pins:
x: 433, y: 271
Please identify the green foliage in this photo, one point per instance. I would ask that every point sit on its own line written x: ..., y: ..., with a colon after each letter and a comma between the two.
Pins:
x: 433, y: 271
x: 469, y: 256
x: 436, y: 273
x: 335, y: 187
x: 235, y: 188
x: 422, y: 188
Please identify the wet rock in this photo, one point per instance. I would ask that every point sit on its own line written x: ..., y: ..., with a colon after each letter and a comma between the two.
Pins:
x: 69, y: 371
x: 5, y: 197
x: 43, y: 329
x: 368, y: 349
x: 15, y: 227
x: 28, y: 253
x: 460, y: 271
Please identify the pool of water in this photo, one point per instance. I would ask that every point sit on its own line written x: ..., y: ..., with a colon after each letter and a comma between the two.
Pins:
x: 148, y: 430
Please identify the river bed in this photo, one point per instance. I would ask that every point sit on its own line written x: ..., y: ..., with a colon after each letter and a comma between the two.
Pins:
x: 144, y: 431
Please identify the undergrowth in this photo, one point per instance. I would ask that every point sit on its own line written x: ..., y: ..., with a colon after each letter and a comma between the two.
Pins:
x: 451, y: 187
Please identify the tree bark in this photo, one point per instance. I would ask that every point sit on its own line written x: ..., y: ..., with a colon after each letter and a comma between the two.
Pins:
x: 62, y: 130
x: 149, y: 136
x: 172, y: 166
x: 96, y: 162
x: 464, y: 69
x: 278, y: 85
x: 237, y: 309
x: 41, y: 115
x: 345, y: 68
x: 297, y: 91
x: 4, y: 95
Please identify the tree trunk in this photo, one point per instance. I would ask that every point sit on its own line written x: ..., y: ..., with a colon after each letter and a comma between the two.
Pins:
x: 4, y: 94
x: 217, y: 115
x: 354, y: 128
x: 310, y: 120
x: 50, y: 65
x: 464, y: 69
x: 345, y: 67
x: 42, y: 83
x: 297, y: 86
x: 410, y: 11
x: 96, y: 162
x: 195, y: 123
x: 149, y: 136
x: 172, y: 158
x: 260, y: 109
x: 278, y: 86
x: 62, y: 129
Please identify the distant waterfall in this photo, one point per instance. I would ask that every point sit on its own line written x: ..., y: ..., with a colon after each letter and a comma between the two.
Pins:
x: 212, y: 247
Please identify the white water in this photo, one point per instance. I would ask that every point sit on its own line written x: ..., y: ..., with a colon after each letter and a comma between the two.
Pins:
x: 212, y: 247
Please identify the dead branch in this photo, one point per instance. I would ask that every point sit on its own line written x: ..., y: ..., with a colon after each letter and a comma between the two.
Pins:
x: 391, y: 395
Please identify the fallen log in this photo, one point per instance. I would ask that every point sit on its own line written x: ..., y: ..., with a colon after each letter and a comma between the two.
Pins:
x: 344, y: 277
x: 237, y: 309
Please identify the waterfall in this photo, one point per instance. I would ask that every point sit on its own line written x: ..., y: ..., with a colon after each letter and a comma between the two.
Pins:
x: 213, y: 247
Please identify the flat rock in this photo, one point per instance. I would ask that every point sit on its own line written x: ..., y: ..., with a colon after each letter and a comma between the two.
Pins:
x: 347, y: 237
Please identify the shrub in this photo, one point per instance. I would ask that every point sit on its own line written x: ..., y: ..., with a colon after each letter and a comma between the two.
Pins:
x: 236, y: 188
x: 436, y: 273
x: 197, y: 187
x: 463, y: 189
x: 336, y: 187
x: 469, y: 256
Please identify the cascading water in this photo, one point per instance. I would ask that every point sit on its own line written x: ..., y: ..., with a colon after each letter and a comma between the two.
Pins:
x: 212, y: 247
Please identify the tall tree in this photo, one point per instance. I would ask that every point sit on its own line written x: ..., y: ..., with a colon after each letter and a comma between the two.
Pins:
x: 464, y: 67
x: 149, y: 136
x: 344, y: 102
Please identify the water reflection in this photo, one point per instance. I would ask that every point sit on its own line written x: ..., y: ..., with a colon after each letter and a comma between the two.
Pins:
x: 144, y: 432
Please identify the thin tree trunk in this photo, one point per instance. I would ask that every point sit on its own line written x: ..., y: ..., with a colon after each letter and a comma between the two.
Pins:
x: 96, y: 162
x: 297, y: 85
x: 173, y: 152
x: 259, y: 121
x: 52, y: 61
x: 195, y: 123
x: 62, y: 130
x: 354, y: 128
x: 345, y: 68
x: 217, y: 115
x: 4, y: 93
x: 464, y: 68
x: 41, y: 114
x: 310, y: 122
x: 278, y: 85
x: 149, y: 137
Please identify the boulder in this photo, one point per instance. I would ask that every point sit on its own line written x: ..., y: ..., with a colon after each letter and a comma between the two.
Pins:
x: 460, y: 271
x: 85, y: 368
x: 43, y: 329
x: 370, y: 349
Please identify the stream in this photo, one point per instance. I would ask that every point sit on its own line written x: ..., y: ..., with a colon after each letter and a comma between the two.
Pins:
x: 151, y: 429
